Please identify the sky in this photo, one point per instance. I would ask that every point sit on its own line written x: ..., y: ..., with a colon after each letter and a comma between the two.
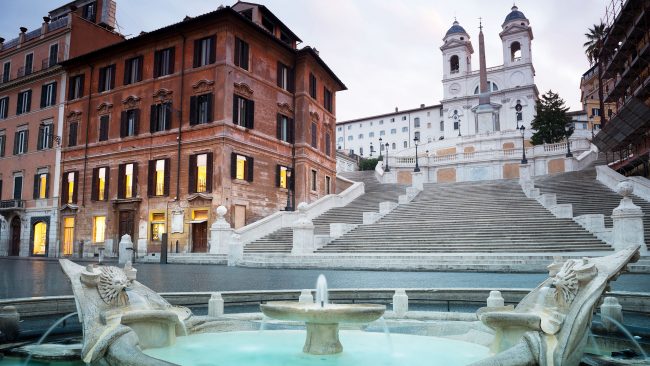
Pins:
x: 385, y: 51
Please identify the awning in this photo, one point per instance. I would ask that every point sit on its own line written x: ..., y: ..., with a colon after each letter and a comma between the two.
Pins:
x: 197, y: 221
x: 627, y: 126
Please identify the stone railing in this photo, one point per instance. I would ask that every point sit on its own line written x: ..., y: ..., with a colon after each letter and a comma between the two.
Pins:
x: 612, y: 178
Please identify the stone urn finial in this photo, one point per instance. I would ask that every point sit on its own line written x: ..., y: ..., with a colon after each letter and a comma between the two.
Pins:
x: 221, y: 211
x: 302, y: 207
x: 221, y: 222
x: 625, y: 188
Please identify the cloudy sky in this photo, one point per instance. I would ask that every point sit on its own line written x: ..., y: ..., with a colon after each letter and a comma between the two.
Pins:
x: 385, y: 51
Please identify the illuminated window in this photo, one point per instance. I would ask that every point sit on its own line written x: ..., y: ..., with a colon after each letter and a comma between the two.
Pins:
x: 71, y: 187
x: 99, y: 229
x: 42, y: 186
x: 40, y: 238
x: 160, y: 177
x: 241, y: 167
x: 200, y: 215
x: 282, y: 176
x: 101, y: 184
x: 128, y: 181
x: 201, y: 172
x: 68, y: 235
x: 157, y: 226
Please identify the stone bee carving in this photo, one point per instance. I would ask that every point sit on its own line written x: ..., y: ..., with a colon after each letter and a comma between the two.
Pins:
x: 112, y: 286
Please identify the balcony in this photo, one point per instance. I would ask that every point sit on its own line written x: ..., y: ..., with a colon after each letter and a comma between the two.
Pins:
x: 8, y: 205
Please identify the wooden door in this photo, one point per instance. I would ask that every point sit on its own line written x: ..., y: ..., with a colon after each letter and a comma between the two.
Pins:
x: 15, y: 237
x: 200, y: 237
x: 126, y: 225
x: 240, y: 216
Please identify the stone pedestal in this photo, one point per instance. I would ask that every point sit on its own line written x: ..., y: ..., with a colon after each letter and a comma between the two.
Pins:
x: 220, y: 233
x: 400, y: 302
x: 4, y: 237
x: 215, y: 305
x: 495, y: 299
x: 125, y: 249
x: 417, y: 181
x: 235, y: 250
x: 611, y: 313
x: 322, y: 339
x: 628, y: 221
x: 9, y: 323
x: 303, y: 233
x: 525, y: 175
x: 306, y: 297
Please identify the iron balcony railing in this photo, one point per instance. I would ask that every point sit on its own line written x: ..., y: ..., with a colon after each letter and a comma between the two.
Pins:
x: 12, y: 204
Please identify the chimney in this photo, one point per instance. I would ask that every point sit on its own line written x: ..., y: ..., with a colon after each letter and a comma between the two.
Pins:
x: 21, y: 35
x: 396, y: 109
x: 46, y: 25
x: 2, y: 42
x: 421, y: 105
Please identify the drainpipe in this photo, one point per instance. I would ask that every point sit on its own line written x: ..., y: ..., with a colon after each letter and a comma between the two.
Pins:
x: 90, y: 96
x: 292, y: 184
x: 180, y: 124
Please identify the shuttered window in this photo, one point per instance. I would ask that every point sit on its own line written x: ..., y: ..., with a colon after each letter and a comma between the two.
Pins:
x: 21, y: 140
x: 133, y: 70
x: 129, y: 123
x: 314, y: 135
x: 327, y: 99
x: 106, y: 78
x: 285, y: 77
x: 69, y: 192
x: 205, y: 51
x: 103, y: 127
x: 285, y: 129
x: 241, y: 53
x: 24, y: 103
x: 158, y: 177
x: 201, y: 109
x: 48, y: 95
x: 282, y: 176
x: 160, y: 117
x: 4, y: 107
x: 41, y: 186
x: 45, y: 135
x: 76, y: 87
x: 127, y: 180
x: 243, y: 112
x: 101, y: 177
x: 72, y: 134
x: 241, y: 167
x: 201, y: 171
x: 164, y: 62
x: 312, y: 85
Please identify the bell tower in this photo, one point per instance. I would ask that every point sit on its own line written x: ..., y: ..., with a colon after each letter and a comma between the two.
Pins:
x: 516, y: 37
x: 456, y: 52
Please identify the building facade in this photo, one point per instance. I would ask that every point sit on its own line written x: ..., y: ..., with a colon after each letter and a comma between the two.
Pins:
x: 220, y: 109
x: 32, y: 92
x: 590, y: 100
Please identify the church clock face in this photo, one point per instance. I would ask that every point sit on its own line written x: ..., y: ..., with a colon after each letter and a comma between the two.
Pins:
x: 454, y: 88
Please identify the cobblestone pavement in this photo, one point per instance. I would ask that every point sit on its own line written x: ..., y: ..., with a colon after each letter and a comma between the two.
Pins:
x: 33, y: 277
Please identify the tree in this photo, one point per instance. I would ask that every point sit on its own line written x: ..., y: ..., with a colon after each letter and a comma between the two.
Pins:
x: 551, y: 119
x: 368, y: 164
x: 593, y: 50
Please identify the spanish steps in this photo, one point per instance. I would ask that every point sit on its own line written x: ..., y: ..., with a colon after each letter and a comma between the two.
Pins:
x: 281, y: 240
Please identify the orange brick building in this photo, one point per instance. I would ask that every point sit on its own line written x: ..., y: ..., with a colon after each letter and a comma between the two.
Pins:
x: 32, y: 85
x: 220, y: 109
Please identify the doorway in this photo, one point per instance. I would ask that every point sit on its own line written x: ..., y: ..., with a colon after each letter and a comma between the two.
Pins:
x: 240, y: 216
x: 14, y: 250
x: 200, y: 237
x: 126, y: 220
x: 68, y: 235
x: 39, y: 245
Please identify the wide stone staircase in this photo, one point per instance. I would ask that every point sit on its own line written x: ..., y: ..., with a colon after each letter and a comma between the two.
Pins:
x: 281, y: 240
x: 468, y: 217
x: 589, y: 196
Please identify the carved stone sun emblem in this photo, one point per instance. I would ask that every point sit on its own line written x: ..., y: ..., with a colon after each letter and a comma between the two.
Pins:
x: 112, y: 286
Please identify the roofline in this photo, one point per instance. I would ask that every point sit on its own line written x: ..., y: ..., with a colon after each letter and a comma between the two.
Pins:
x: 389, y: 114
x: 590, y: 70
x: 576, y: 113
x: 268, y: 11
x: 309, y: 50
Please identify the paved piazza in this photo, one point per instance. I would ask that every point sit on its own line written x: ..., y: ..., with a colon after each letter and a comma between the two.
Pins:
x: 45, y: 278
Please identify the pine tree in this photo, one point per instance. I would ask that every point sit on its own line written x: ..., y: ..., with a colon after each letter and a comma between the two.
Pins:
x: 550, y: 121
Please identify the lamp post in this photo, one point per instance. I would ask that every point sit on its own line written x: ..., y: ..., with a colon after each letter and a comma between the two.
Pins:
x: 568, y: 128
x: 386, y: 169
x: 417, y: 167
x: 522, y: 129
x: 288, y: 208
x: 381, y: 146
x: 372, y: 149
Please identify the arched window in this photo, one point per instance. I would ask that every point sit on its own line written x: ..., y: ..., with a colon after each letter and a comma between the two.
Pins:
x: 515, y: 51
x: 406, y: 144
x: 40, y: 238
x: 417, y: 135
x: 491, y: 87
x: 454, y: 64
x: 394, y: 146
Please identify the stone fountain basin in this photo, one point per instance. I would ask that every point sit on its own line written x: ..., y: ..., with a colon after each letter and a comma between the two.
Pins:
x: 329, y: 314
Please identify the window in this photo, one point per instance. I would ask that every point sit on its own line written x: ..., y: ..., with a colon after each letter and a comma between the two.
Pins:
x: 103, y: 127
x: 595, y: 112
x: 491, y: 87
x: 40, y: 239
x: 130, y: 122
x: 313, y: 179
x: 54, y: 55
x: 394, y: 146
x: 99, y: 189
x: 406, y: 144
x: 327, y: 99
x: 349, y: 127
x: 312, y: 85
x: 69, y: 189
x: 163, y: 62
x: 21, y: 140
x: 99, y: 229
x: 241, y: 167
x: 48, y: 95
x: 24, y: 102
x: 4, y: 107
x: 454, y: 64
x: 515, y: 51
x: 339, y: 129
x: 328, y: 143
x: 200, y: 173
x: 392, y: 119
x: 29, y: 63
x: 328, y: 185
x: 44, y: 136
x: 360, y: 136
x: 350, y: 138
x: 133, y: 70
x: 314, y: 135
x: 381, y: 121
x: 456, y: 125
x: 360, y: 125
x: 416, y: 135
x: 157, y: 226
x: 403, y: 118
x: 76, y: 87
x: 382, y: 133
x: 68, y: 235
x: 405, y: 129
x: 106, y: 78
x: 3, y: 142
x: 127, y: 175
x: 285, y: 128
x: 442, y: 126
x: 158, y: 184
x: 393, y: 131
x: 285, y: 77
x: 340, y: 139
x: 428, y: 124
x: 204, y: 51
x: 160, y: 117
x: 371, y: 134
x: 201, y: 109
x: 281, y: 176
x: 241, y: 53
x: 41, y: 186
x: 72, y: 134
x: 416, y: 122
x: 243, y: 112
x: 6, y: 72
x: 18, y: 187
x: 89, y: 12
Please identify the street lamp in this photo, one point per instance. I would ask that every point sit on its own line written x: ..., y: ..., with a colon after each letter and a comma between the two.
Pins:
x: 568, y: 128
x: 288, y: 208
x: 386, y: 165
x: 381, y: 146
x: 522, y: 129
x: 372, y: 149
x: 417, y: 167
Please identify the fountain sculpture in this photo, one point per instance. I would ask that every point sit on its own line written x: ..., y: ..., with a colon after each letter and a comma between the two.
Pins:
x: 322, y: 318
x: 123, y: 320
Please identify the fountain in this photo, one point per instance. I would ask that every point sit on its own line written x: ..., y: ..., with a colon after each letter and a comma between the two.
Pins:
x: 126, y: 323
x: 322, y: 319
